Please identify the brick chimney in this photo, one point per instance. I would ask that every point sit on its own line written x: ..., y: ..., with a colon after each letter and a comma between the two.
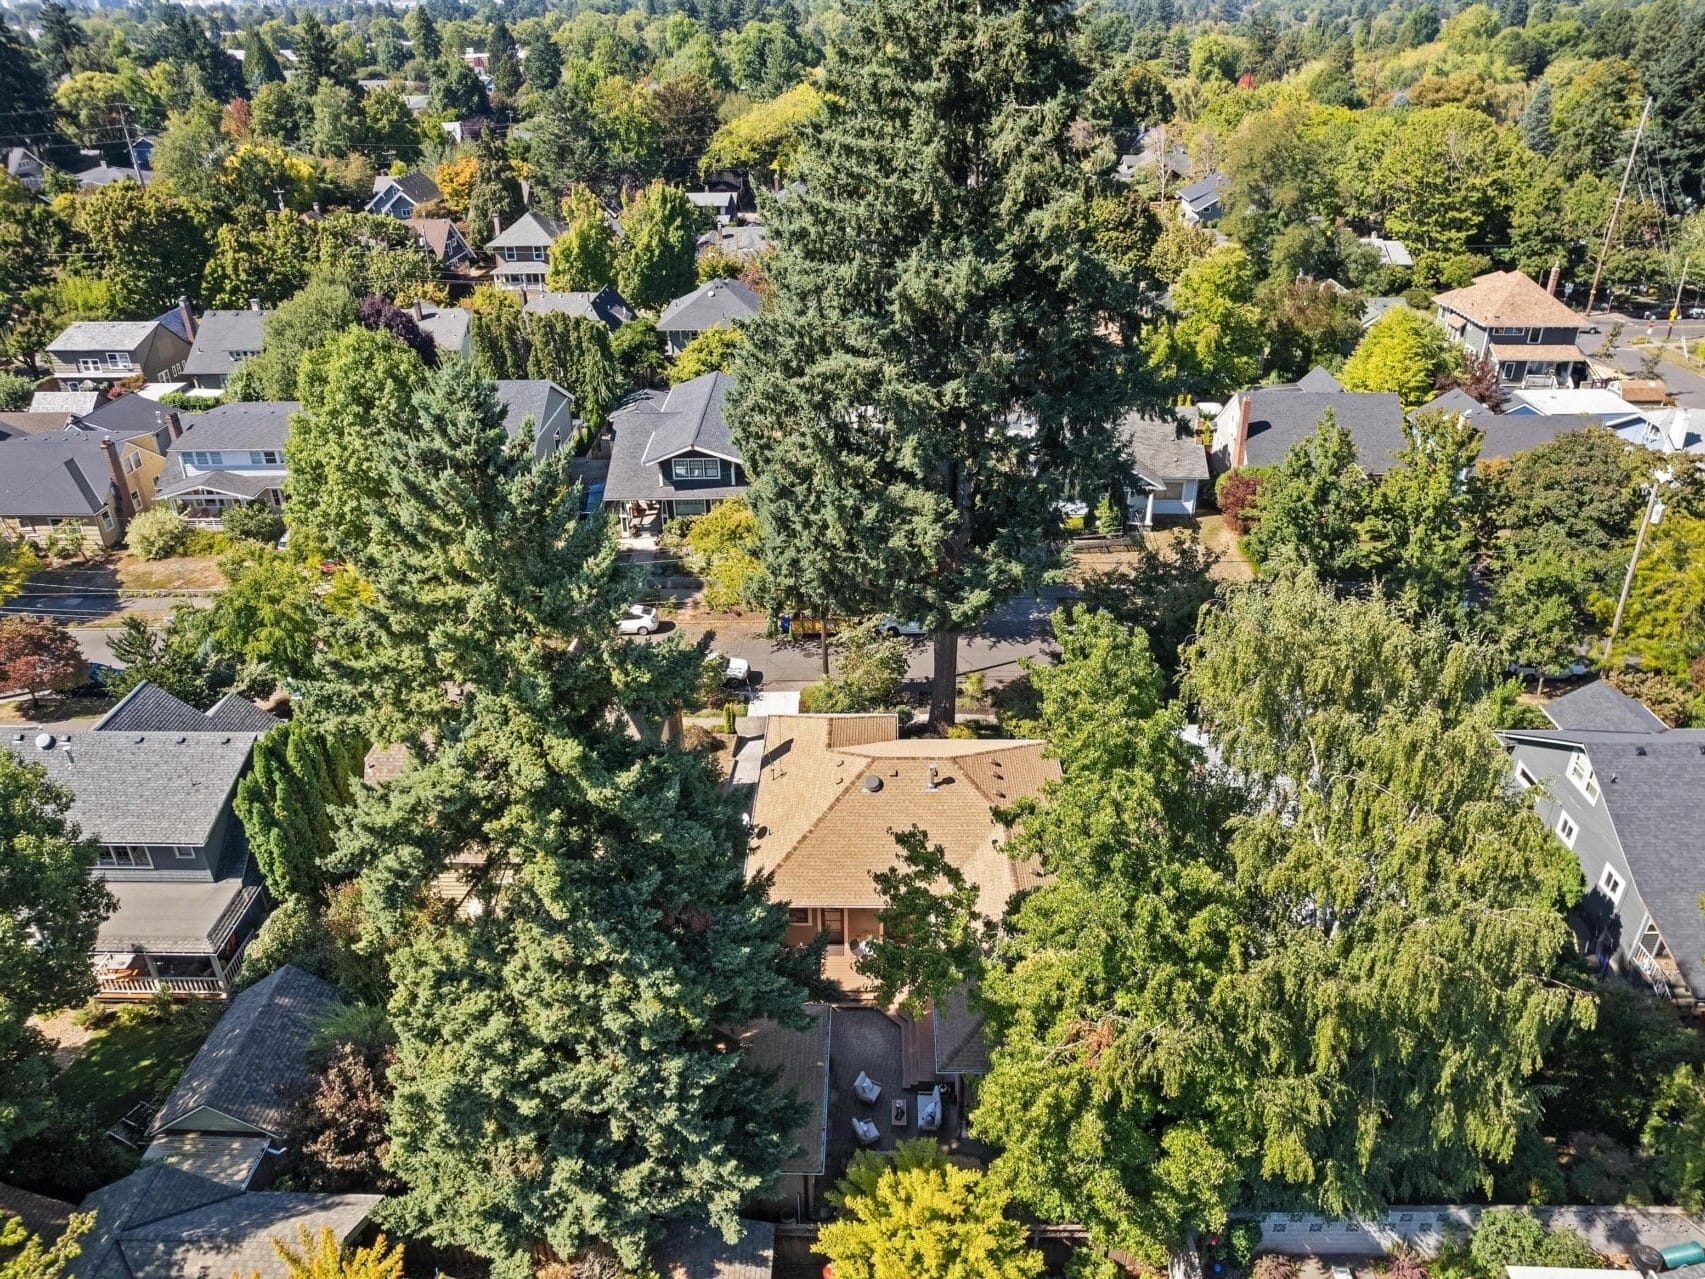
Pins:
x: 188, y: 314
x: 1551, y: 280
x: 1240, y: 445
x: 121, y: 486
x: 174, y: 424
x: 496, y: 225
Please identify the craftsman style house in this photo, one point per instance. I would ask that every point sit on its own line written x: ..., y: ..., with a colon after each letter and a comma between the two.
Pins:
x: 671, y: 453
x: 714, y: 303
x: 522, y: 248
x: 1627, y: 796
x: 834, y: 789
x: 152, y: 783
x: 1527, y: 332
x: 226, y: 457
x: 91, y: 354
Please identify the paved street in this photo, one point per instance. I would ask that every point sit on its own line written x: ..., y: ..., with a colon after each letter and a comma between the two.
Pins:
x: 1684, y: 384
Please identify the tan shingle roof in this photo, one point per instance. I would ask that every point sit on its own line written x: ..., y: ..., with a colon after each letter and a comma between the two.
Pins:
x: 821, y: 832
x: 1508, y: 299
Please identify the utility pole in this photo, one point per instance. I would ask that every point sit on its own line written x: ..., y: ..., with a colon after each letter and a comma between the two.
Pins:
x: 1676, y: 309
x: 130, y: 146
x: 1659, y: 479
x: 1616, y: 209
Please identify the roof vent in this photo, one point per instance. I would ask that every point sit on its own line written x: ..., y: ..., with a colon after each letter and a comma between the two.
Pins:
x: 180, y: 740
x: 872, y: 783
x: 934, y: 773
x: 1640, y: 750
x: 138, y: 739
x: 44, y: 741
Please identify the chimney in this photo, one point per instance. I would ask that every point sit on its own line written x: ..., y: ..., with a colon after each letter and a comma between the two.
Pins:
x: 174, y: 424
x: 121, y: 486
x: 934, y: 773
x: 419, y: 314
x: 1241, y: 444
x: 188, y: 315
x: 316, y: 208
x: 496, y: 225
x: 1551, y: 280
x: 254, y: 304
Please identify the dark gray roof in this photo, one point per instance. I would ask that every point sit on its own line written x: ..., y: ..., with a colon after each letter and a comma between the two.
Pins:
x: 1161, y: 449
x: 63, y: 474
x: 605, y: 306
x: 712, y: 303
x: 41, y: 1216
x: 693, y: 1251
x: 1510, y: 433
x: 1318, y: 379
x: 653, y: 426
x: 258, y: 424
x: 175, y: 484
x: 446, y: 325
x: 531, y: 229
x: 1279, y: 416
x: 217, y: 335
x: 550, y: 407
x: 1455, y: 400
x: 148, y: 708
x: 1199, y: 195
x: 127, y: 415
x: 1653, y: 787
x: 163, y: 1223
x: 1602, y: 706
x: 176, y: 916
x: 419, y: 188
x: 176, y: 784
x: 799, y: 1060
x: 257, y: 1052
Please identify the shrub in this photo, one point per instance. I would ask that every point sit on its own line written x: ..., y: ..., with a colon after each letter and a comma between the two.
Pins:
x: 15, y: 392
x: 960, y: 732
x: 1085, y: 1264
x: 1244, y: 1238
x: 204, y: 541
x: 94, y: 1015
x: 1236, y: 495
x: 1405, y: 1265
x: 1510, y: 1237
x: 157, y: 533
x: 255, y: 522
x: 1270, y: 1265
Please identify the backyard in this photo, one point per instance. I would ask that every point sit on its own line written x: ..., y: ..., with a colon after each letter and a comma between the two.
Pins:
x: 136, y: 1056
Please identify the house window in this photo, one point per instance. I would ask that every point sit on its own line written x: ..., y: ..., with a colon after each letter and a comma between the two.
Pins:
x: 106, y: 519
x: 1611, y: 885
x: 691, y: 508
x: 132, y: 462
x: 835, y: 924
x: 88, y: 364
x: 264, y: 457
x: 117, y: 360
x: 1507, y: 331
x: 1534, y: 335
x: 1525, y: 779
x: 508, y: 253
x: 697, y: 468
x: 135, y: 498
x: 184, y: 854
x: 126, y: 855
x: 207, y: 460
x: 799, y: 915
x: 1581, y: 773
x: 1512, y: 370
x: 1567, y: 829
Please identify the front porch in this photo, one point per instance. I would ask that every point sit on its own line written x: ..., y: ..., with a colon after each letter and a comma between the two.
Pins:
x: 186, y: 967
x: 850, y: 931
x: 1656, y: 967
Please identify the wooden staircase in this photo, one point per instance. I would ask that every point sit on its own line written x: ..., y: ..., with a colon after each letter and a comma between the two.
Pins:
x: 917, y: 1049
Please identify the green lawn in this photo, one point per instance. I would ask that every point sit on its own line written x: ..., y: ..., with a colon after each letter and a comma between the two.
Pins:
x: 137, y: 1058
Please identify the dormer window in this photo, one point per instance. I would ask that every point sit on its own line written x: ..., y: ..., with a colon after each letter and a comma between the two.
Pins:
x: 118, y: 360
x: 1581, y: 773
x: 697, y: 468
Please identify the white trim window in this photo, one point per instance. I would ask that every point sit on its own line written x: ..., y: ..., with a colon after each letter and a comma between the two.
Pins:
x: 132, y: 462
x: 106, y: 518
x: 118, y: 359
x: 184, y: 854
x: 1581, y: 773
x: 697, y: 468
x: 88, y: 364
x: 132, y: 855
x: 1610, y: 884
x: 1567, y: 828
x: 1525, y: 779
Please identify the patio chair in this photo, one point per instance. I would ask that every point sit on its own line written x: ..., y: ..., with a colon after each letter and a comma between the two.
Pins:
x: 866, y: 1132
x: 929, y: 1110
x: 868, y: 1089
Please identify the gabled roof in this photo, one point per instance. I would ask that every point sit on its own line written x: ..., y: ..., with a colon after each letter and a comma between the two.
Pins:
x: 30, y: 424
x: 1508, y: 299
x: 446, y: 325
x: 63, y: 474
x: 104, y: 335
x: 1653, y: 787
x: 1161, y: 450
x: 606, y: 306
x: 835, y: 788
x: 1279, y: 416
x: 1510, y: 433
x: 257, y: 1052
x: 712, y: 303
x: 726, y: 201
x: 258, y: 424
x: 126, y: 415
x: 1601, y: 706
x: 163, y: 1223
x: 148, y: 708
x: 64, y: 401
x: 1199, y: 195
x: 799, y: 1059
x: 1318, y: 379
x: 223, y: 483
x: 691, y: 421
x: 532, y: 228
x: 419, y: 188
x: 547, y: 405
x: 176, y: 785
x: 1456, y: 400
x: 217, y: 335
x: 654, y: 426
x: 439, y: 235
x: 1391, y: 252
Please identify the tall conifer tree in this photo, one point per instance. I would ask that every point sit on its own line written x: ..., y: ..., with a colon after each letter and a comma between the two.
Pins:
x: 934, y: 360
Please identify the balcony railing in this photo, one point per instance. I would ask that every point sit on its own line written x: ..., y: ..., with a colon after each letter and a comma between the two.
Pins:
x: 148, y: 987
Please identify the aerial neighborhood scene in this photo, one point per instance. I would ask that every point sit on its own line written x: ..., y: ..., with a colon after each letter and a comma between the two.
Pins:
x: 852, y: 639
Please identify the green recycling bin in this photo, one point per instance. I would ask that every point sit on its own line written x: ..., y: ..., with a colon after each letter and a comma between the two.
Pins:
x: 1682, y: 1254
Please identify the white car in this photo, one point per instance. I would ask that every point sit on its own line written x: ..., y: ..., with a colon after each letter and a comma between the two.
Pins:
x: 640, y: 619
x: 737, y: 673
x: 888, y: 624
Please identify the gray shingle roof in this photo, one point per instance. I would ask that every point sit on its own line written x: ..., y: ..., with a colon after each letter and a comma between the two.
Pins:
x: 131, y: 414
x: 550, y: 407
x: 230, y: 483
x: 161, y: 1223
x: 446, y: 325
x: 148, y: 708
x: 419, y: 188
x: 1602, y: 706
x: 175, y: 785
x: 62, y: 474
x: 531, y: 229
x: 1507, y: 434
x: 690, y: 419
x: 1280, y: 416
x: 712, y: 303
x: 655, y: 425
x: 260, y: 424
x: 217, y: 335
x: 606, y: 306
x: 1160, y: 449
x: 1199, y: 195
x: 104, y: 335
x: 1653, y: 787
x: 799, y: 1061
x: 64, y: 401
x: 693, y: 1251
x: 1455, y: 400
x: 256, y: 1053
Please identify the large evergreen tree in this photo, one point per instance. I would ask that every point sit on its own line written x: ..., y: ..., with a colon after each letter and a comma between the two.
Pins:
x: 286, y: 802
x: 569, y: 1067
x: 574, y: 352
x: 934, y: 360
x: 60, y: 38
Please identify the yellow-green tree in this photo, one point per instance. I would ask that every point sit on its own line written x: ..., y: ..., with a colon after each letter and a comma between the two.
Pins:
x: 1402, y: 351
x: 583, y: 257
x: 766, y: 137
x: 914, y: 1215
x: 711, y: 351
x: 26, y: 1256
x: 322, y: 1257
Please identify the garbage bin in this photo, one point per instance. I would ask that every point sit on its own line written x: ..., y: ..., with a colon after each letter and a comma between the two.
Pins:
x: 1682, y: 1254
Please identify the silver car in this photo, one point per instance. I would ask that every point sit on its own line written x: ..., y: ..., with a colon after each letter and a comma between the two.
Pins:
x: 640, y: 619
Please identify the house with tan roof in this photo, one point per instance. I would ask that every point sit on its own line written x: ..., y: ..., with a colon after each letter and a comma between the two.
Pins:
x: 1530, y: 334
x: 835, y: 790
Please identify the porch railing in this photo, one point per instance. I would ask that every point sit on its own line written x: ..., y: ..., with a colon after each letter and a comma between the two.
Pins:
x: 147, y: 987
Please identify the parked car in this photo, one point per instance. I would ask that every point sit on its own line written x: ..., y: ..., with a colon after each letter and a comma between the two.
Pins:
x: 738, y: 673
x: 1696, y: 313
x: 640, y: 619
x: 888, y: 624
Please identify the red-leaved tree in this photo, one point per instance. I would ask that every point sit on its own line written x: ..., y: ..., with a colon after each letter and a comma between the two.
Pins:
x: 37, y: 654
x: 1235, y: 495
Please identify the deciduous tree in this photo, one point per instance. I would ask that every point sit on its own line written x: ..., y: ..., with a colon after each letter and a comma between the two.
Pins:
x: 711, y: 351
x: 583, y: 257
x: 654, y: 262
x: 39, y: 655
x: 1312, y: 505
x: 1402, y: 351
